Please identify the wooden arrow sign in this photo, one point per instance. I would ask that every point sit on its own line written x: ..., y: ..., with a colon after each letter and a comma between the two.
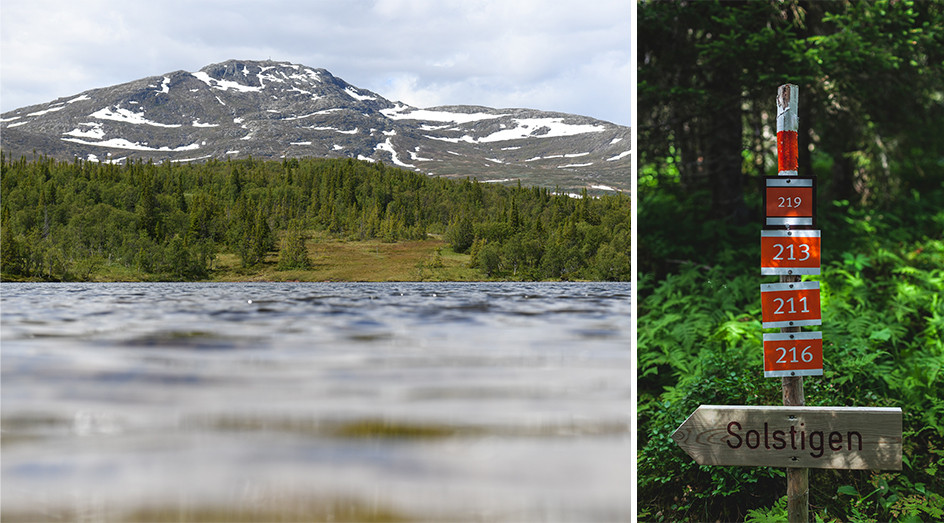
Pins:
x: 798, y: 437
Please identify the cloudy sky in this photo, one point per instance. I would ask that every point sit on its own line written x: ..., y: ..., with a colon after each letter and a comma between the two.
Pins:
x: 556, y: 55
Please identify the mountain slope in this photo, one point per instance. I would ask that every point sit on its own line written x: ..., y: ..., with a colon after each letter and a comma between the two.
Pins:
x: 274, y: 109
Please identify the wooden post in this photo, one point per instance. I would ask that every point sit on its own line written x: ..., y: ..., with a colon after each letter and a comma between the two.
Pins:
x: 798, y: 479
x: 758, y: 436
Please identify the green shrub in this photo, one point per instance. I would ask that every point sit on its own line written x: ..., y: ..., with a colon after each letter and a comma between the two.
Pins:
x: 699, y: 342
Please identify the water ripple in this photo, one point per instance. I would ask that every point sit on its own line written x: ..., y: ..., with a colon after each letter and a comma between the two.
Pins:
x: 423, y: 397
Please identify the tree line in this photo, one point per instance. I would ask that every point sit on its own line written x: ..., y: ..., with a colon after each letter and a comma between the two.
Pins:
x: 65, y: 220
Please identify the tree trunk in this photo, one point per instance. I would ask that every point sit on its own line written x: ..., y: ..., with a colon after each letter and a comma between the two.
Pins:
x: 722, y: 157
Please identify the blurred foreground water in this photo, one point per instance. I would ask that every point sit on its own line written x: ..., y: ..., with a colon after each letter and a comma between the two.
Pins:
x: 315, y: 401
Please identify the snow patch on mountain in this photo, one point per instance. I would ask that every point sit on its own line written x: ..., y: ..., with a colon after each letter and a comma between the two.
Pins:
x: 414, y: 155
x: 466, y: 138
x: 551, y: 157
x: 309, y: 115
x: 427, y: 127
x: 522, y: 128
x: 127, y: 116
x: 388, y: 146
x: 405, y: 112
x: 197, y: 159
x: 335, y: 129
x: 95, y: 131
x: 357, y: 96
x: 121, y: 143
x: 619, y: 156
x: 225, y: 85
x: 541, y: 128
x: 47, y: 111
x: 308, y: 76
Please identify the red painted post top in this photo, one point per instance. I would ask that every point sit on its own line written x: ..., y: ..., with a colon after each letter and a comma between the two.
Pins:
x: 787, y: 125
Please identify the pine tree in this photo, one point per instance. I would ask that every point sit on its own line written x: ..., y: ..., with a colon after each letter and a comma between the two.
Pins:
x: 293, y: 253
x: 459, y: 234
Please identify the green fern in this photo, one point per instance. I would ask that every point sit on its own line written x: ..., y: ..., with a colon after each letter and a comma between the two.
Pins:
x: 775, y: 514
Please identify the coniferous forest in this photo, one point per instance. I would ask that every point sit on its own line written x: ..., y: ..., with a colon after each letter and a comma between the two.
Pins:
x: 80, y: 220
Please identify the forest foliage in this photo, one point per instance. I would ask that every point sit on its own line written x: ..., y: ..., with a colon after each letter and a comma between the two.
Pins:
x: 870, y: 78
x: 699, y: 342
x: 871, y: 107
x: 67, y: 220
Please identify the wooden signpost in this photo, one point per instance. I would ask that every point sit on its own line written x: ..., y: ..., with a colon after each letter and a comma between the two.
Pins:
x: 792, y: 436
x: 798, y: 478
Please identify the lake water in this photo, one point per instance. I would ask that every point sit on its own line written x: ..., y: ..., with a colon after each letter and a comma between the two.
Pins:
x: 357, y: 401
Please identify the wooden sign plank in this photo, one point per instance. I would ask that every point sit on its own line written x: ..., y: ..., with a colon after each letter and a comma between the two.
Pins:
x: 793, y: 354
x: 790, y: 304
x: 789, y: 200
x: 790, y: 252
x: 797, y: 437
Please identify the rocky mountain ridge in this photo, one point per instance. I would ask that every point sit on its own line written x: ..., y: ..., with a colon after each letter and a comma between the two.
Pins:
x: 275, y: 110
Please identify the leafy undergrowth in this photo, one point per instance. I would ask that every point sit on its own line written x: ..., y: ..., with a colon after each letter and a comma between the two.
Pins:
x: 699, y: 342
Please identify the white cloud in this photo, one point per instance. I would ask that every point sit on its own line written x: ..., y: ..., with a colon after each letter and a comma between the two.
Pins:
x: 564, y: 55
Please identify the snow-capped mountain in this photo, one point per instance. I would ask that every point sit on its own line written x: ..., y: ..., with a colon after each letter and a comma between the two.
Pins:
x: 274, y: 110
